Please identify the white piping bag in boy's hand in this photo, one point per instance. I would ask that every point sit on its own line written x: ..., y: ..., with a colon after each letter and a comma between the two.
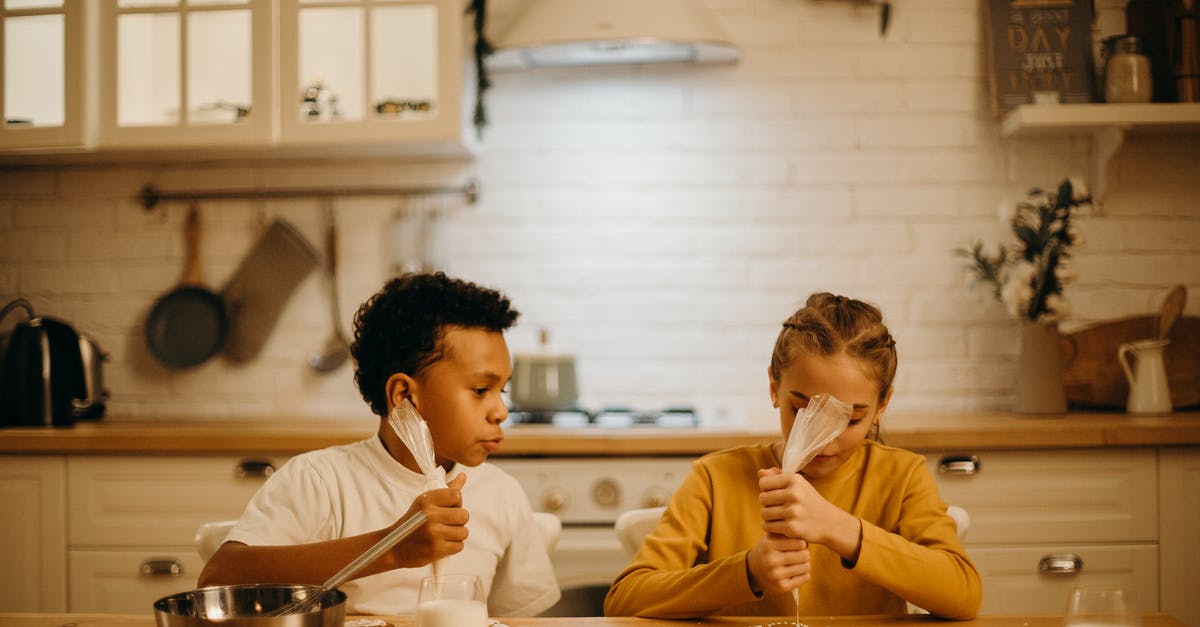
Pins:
x: 824, y: 419
x: 410, y: 427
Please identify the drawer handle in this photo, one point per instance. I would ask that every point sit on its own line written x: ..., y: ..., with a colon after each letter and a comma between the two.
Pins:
x: 1061, y: 564
x: 964, y: 465
x: 165, y: 567
x: 252, y: 469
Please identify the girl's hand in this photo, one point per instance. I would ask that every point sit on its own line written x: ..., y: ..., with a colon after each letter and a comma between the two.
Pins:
x: 778, y: 564
x: 793, y: 508
x: 444, y: 530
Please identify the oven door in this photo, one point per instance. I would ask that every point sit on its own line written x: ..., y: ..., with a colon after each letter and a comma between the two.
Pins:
x: 586, y: 560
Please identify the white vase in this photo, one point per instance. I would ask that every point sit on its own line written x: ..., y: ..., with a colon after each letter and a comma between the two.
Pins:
x: 1039, y: 388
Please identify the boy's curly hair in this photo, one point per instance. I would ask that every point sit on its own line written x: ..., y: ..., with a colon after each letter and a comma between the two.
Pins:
x: 399, y: 329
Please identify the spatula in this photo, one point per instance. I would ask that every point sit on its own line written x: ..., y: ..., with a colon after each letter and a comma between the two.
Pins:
x: 1171, y: 310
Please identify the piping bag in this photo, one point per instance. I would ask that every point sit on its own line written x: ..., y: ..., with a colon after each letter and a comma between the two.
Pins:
x: 410, y: 427
x: 824, y: 419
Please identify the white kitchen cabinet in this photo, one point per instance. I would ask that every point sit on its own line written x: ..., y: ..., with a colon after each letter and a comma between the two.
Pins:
x: 133, y: 522
x: 1179, y: 490
x: 372, y: 72
x: 184, y: 74
x: 1034, y: 512
x: 33, y: 533
x: 232, y: 79
x: 44, y: 93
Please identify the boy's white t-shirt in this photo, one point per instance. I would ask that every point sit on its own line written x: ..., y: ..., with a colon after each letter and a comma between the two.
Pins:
x: 347, y: 490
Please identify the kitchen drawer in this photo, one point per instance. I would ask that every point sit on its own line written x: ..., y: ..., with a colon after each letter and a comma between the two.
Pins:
x: 1013, y: 584
x: 156, y: 501
x: 1056, y: 496
x: 128, y: 582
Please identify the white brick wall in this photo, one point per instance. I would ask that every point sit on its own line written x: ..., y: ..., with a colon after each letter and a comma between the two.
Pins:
x: 661, y: 221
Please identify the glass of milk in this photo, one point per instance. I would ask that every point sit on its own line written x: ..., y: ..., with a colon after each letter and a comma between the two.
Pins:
x: 451, y: 601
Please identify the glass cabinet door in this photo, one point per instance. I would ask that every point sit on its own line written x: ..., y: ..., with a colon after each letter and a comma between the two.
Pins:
x: 42, y: 77
x: 373, y: 71
x: 190, y: 72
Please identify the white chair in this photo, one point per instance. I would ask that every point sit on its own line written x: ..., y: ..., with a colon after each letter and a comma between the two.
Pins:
x: 632, y: 526
x: 211, y: 535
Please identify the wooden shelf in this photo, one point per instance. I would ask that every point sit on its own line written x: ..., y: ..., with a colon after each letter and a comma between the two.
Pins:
x: 1107, y: 124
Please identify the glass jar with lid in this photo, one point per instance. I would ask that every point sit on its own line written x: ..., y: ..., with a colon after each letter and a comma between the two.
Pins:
x: 1127, y: 72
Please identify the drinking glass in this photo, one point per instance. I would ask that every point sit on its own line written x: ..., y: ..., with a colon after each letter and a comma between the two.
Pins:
x: 1101, y: 606
x: 451, y: 601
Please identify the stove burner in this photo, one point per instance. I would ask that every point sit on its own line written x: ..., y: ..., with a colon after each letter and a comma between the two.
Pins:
x: 615, y: 417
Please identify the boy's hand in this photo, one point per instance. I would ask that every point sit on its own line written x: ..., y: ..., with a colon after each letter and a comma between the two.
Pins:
x: 792, y: 507
x: 778, y: 564
x: 442, y: 534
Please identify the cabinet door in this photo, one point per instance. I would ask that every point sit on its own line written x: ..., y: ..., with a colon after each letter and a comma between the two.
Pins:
x: 129, y: 582
x: 1179, y: 476
x: 43, y: 86
x: 33, y: 534
x: 1054, y: 495
x: 156, y: 501
x: 373, y: 72
x: 1014, y: 584
x: 185, y: 73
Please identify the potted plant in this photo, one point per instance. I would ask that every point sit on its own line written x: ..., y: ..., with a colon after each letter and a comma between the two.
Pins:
x: 1028, y: 278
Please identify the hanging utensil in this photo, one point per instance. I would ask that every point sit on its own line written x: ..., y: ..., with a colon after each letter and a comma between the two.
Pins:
x: 189, y: 324
x: 337, y: 348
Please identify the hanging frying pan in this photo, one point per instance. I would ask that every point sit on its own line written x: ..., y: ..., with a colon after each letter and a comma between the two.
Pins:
x: 190, y: 323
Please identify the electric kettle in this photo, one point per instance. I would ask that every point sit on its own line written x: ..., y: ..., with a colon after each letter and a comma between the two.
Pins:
x: 50, y: 374
x: 544, y: 381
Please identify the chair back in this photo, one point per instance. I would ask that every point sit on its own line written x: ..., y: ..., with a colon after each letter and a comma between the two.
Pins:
x: 211, y: 535
x: 632, y: 526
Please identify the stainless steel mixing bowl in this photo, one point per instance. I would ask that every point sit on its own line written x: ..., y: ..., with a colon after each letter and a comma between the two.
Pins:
x: 247, y: 606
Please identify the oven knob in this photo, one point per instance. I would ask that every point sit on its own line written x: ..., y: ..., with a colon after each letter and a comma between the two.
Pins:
x: 655, y: 497
x: 606, y: 493
x: 554, y: 501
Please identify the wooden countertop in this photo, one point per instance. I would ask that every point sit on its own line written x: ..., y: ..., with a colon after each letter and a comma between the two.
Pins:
x: 983, y: 431
x: 137, y: 620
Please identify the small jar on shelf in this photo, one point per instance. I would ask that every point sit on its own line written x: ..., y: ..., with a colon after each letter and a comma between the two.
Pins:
x: 1127, y: 72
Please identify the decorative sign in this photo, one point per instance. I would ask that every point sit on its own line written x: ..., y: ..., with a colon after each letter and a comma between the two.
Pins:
x: 1039, y: 49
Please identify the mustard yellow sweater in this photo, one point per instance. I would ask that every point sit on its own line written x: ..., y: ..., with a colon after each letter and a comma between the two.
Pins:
x: 694, y: 562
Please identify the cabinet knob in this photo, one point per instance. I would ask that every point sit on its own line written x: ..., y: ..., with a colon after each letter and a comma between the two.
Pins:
x: 959, y: 465
x: 254, y: 469
x: 554, y: 501
x: 1060, y: 564
x: 161, y: 567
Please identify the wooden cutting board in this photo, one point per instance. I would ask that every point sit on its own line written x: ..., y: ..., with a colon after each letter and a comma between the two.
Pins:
x: 1094, y: 379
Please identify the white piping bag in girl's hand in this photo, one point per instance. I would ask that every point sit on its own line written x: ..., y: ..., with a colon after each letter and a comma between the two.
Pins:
x: 410, y: 427
x: 824, y: 419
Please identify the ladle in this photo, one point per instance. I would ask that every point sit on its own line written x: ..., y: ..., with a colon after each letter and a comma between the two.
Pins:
x: 1171, y: 310
x: 336, y: 348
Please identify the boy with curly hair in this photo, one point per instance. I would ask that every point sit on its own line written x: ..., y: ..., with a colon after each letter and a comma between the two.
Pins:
x: 437, y: 342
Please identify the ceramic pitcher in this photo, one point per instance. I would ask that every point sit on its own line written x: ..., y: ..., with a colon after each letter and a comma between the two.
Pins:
x: 1148, y: 392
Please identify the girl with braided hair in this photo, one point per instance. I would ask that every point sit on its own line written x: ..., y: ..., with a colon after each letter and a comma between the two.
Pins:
x: 861, y: 529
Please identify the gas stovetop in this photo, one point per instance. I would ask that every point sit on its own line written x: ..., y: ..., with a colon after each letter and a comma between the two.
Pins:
x: 609, y: 417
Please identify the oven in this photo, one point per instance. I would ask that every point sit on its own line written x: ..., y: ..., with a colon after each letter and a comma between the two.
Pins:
x: 587, y: 494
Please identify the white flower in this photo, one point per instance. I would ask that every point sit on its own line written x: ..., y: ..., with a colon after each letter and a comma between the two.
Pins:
x: 1016, y: 294
x: 1063, y: 271
x: 1079, y: 190
x: 1056, y: 226
x: 1057, y: 305
x: 1007, y: 210
x: 1075, y: 234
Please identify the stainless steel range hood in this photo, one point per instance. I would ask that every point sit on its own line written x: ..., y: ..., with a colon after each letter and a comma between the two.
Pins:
x: 559, y: 33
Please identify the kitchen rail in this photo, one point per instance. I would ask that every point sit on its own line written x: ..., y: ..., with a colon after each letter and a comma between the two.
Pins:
x: 275, y: 435
x: 151, y: 195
